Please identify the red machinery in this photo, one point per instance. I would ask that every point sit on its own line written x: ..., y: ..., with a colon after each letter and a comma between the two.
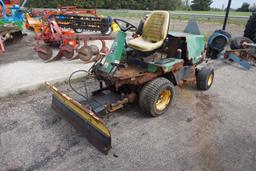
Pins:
x: 68, y: 10
x: 80, y: 20
x: 71, y: 45
x: 59, y: 29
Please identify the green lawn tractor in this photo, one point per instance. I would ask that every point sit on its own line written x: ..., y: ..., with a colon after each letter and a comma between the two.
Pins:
x: 144, y: 69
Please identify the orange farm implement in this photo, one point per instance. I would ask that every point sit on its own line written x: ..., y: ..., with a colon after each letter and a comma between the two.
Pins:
x: 71, y: 45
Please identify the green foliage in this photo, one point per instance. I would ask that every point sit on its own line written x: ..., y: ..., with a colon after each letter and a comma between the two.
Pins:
x: 109, y: 4
x: 201, y: 5
x: 185, y: 5
x: 244, y: 8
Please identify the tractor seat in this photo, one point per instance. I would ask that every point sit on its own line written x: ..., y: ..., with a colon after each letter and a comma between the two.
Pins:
x: 154, y: 32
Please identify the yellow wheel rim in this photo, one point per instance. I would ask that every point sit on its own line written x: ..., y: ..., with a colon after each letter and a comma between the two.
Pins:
x: 163, y: 100
x: 210, y: 80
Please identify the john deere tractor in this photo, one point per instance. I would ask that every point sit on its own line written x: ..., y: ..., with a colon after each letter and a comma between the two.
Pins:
x: 144, y: 69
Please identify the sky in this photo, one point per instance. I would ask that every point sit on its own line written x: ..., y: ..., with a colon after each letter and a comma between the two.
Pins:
x: 235, y: 3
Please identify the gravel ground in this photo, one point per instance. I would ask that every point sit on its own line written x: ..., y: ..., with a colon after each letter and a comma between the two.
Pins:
x: 212, y: 130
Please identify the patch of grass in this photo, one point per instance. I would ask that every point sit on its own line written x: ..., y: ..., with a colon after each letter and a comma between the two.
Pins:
x: 122, y: 14
x: 139, y: 14
x: 232, y: 13
x: 206, y: 20
x: 14, y: 95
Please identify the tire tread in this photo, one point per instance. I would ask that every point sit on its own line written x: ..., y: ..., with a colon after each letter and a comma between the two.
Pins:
x: 149, y: 92
x: 202, y: 78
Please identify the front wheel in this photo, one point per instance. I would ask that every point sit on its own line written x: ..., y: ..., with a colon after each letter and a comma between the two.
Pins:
x: 204, y: 78
x: 156, y: 96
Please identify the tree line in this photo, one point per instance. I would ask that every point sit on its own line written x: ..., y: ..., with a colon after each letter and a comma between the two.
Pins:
x: 197, y: 5
x: 108, y: 4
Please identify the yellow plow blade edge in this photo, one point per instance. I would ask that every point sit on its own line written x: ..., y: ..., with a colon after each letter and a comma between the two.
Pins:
x: 82, y: 118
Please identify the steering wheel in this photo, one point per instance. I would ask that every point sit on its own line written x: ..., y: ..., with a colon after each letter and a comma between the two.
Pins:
x: 128, y: 26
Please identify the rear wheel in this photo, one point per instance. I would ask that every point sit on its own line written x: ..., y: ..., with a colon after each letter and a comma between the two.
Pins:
x: 237, y: 42
x: 204, y: 78
x: 156, y: 96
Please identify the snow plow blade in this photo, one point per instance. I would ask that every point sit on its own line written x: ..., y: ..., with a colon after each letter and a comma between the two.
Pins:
x: 82, y: 118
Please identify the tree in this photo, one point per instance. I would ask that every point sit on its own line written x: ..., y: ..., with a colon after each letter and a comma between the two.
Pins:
x: 244, y: 8
x: 201, y: 5
x: 252, y: 8
x: 185, y: 5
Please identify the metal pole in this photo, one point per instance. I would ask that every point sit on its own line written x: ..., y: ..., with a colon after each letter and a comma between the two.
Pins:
x: 95, y: 4
x: 23, y: 3
x: 226, y: 17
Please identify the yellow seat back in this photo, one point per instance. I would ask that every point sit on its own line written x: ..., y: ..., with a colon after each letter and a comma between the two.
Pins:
x: 156, y: 26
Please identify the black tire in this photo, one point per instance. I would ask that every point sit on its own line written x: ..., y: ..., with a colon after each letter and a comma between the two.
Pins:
x: 77, y: 30
x: 106, y: 32
x: 17, y: 35
x: 203, y: 76
x: 236, y: 43
x: 106, y: 26
x: 150, y: 94
x: 250, y: 28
